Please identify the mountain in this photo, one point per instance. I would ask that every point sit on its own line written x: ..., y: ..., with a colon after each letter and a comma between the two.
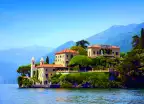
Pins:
x: 11, y: 59
x: 8, y: 72
x: 119, y: 35
x: 22, y: 56
x: 61, y: 47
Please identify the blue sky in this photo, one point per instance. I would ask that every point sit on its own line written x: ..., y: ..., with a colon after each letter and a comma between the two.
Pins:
x: 53, y: 22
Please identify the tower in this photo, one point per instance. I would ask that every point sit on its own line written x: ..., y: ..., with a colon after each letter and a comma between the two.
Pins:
x: 41, y: 61
x: 32, y: 66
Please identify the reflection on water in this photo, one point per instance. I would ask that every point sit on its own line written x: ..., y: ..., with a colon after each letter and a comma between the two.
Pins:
x: 10, y: 94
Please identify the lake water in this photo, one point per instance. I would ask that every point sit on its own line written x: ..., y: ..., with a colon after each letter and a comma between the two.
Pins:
x: 11, y: 94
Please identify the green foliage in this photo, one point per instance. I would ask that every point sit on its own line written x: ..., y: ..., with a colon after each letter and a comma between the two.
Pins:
x: 101, y: 62
x: 24, y: 82
x: 24, y: 70
x: 55, y: 78
x: 47, y: 60
x: 80, y: 49
x: 19, y: 79
x: 132, y: 61
x: 142, y: 38
x: 122, y: 54
x: 79, y: 78
x: 80, y: 60
x: 138, y: 42
x: 82, y: 43
x: 100, y: 80
x: 75, y: 68
x: 36, y: 74
x: 66, y: 85
x: 27, y: 82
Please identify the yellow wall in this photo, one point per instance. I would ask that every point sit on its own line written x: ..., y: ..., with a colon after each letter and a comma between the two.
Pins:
x: 62, y: 58
x: 43, y: 72
x: 91, y: 52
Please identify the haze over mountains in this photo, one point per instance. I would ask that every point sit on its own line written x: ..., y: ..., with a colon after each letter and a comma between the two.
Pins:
x: 118, y: 35
x: 12, y: 58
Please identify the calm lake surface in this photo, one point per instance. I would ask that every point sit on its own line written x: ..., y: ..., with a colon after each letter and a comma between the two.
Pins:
x: 11, y: 94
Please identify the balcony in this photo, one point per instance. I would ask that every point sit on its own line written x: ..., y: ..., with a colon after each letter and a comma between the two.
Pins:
x: 109, y: 55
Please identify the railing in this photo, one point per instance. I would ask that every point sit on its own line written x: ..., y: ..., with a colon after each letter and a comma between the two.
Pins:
x: 99, y: 71
x: 66, y: 71
x: 108, y: 54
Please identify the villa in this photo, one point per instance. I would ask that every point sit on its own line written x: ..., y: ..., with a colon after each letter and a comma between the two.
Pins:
x: 103, y: 50
x: 45, y: 71
x: 62, y: 58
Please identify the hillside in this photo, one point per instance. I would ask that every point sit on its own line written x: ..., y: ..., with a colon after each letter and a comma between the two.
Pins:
x: 22, y: 56
x: 11, y: 59
x: 61, y: 47
x: 117, y: 35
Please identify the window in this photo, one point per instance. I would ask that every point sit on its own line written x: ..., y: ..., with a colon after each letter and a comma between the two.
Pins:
x: 46, y: 75
x: 45, y: 82
x: 113, y: 52
x: 117, y: 53
x: 71, y: 56
x: 93, y: 52
x: 53, y: 69
x: 45, y: 69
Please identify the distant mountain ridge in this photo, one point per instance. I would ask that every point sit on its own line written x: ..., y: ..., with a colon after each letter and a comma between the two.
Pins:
x: 22, y: 56
x: 117, y: 35
x: 51, y: 55
x: 11, y: 59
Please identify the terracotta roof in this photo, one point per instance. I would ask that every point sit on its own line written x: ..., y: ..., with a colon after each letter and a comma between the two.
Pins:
x: 49, y: 65
x: 115, y: 47
x: 94, y: 46
x: 100, y: 46
x: 67, y: 51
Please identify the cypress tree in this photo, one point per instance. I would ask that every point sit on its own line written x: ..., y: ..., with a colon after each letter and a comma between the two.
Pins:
x: 47, y: 60
x: 142, y: 38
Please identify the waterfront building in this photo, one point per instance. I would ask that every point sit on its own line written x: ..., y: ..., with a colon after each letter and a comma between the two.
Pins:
x: 103, y: 50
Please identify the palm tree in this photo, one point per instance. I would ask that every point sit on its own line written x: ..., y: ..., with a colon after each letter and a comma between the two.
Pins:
x: 82, y: 43
x: 136, y: 41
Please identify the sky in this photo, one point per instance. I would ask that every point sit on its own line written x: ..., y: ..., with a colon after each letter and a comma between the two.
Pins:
x: 51, y: 23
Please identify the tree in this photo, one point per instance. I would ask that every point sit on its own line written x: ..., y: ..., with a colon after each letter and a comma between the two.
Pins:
x: 47, y: 60
x: 122, y: 54
x: 136, y: 42
x: 82, y: 43
x: 142, y: 38
x: 80, y: 49
x: 24, y: 70
x: 81, y: 60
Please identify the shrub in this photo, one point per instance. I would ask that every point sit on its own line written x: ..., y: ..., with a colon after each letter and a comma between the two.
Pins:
x: 19, y: 79
x: 24, y: 82
x: 66, y: 85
